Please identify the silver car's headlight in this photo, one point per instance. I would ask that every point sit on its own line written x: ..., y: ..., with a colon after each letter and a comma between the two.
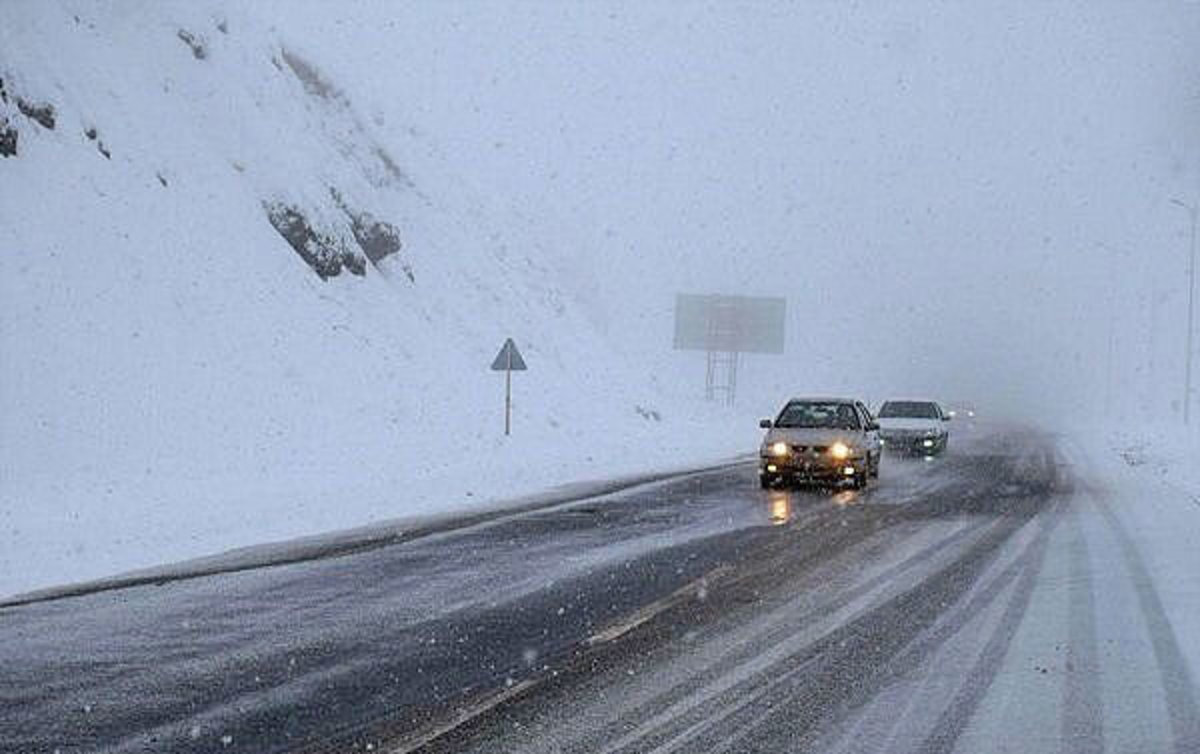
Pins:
x: 778, y: 449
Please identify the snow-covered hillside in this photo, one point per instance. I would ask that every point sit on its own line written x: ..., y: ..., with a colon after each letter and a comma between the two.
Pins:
x: 238, y: 306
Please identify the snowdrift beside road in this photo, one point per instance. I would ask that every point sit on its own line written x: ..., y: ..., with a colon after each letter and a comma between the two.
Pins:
x: 1169, y: 452
x: 237, y: 309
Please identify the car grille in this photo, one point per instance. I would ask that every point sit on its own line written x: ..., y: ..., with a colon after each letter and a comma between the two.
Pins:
x: 810, y: 449
x: 905, y: 434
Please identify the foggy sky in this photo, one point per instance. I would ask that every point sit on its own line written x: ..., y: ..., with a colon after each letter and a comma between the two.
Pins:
x: 967, y: 200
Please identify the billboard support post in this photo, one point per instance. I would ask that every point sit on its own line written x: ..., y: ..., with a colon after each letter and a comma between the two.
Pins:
x: 725, y: 327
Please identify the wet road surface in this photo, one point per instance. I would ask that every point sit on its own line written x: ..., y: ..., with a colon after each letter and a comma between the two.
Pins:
x: 954, y: 606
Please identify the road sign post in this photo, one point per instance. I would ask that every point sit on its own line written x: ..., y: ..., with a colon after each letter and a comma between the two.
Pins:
x: 508, y: 360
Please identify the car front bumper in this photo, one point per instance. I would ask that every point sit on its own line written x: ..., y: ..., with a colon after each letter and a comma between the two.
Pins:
x: 801, y: 468
x: 916, y: 444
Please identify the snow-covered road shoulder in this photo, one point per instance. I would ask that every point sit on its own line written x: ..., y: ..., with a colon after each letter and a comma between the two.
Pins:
x: 360, y: 539
x: 1150, y: 488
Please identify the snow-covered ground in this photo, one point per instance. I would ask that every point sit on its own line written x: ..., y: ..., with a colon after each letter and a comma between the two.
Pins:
x: 1150, y: 479
x: 177, y: 379
x: 1168, y: 452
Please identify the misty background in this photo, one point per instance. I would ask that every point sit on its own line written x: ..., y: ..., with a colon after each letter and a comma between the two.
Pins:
x: 966, y: 201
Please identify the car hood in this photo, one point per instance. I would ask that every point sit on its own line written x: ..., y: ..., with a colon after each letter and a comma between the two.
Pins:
x: 910, y: 424
x: 812, y: 436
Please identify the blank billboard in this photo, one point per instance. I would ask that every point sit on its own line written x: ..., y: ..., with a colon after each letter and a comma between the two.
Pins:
x: 745, y: 324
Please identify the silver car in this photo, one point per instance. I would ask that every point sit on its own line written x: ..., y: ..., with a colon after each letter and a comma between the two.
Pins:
x: 913, y: 426
x: 820, y: 440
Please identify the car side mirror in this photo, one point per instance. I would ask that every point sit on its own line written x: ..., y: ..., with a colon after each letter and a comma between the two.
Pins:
x: 765, y: 424
x: 873, y: 426
x: 947, y: 418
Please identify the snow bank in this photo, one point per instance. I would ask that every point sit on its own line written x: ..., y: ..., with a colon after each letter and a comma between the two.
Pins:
x: 1153, y: 476
x: 1169, y: 452
x: 234, y: 308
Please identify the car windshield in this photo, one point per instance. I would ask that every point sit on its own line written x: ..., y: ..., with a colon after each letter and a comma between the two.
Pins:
x: 817, y: 415
x: 909, y: 410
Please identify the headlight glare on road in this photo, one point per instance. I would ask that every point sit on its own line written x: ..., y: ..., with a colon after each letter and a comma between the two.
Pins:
x: 779, y: 449
x: 839, y: 450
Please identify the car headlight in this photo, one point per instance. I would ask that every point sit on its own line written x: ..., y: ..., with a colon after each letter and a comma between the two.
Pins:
x: 779, y: 449
x: 839, y: 450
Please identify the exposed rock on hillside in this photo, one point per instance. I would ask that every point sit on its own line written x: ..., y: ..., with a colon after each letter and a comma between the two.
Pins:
x: 378, y: 239
x: 8, y: 139
x: 194, y: 43
x: 648, y: 413
x: 310, y: 78
x: 380, y: 169
x: 325, y: 253
x: 42, y: 112
x: 93, y: 135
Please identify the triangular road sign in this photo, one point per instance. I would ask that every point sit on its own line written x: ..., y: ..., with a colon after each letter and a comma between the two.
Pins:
x: 509, y: 358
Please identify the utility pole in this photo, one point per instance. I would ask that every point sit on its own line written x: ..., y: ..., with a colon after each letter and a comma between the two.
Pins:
x: 1193, y: 210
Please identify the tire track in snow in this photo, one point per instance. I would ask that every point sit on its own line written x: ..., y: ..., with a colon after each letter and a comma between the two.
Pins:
x: 1178, y: 687
x: 897, y: 727
x: 1083, y: 705
x: 851, y: 663
x: 699, y: 695
x: 955, y: 718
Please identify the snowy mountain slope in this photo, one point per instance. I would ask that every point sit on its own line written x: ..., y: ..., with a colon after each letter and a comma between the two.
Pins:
x: 177, y: 378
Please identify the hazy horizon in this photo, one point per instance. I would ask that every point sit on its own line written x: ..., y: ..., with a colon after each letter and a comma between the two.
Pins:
x: 866, y: 163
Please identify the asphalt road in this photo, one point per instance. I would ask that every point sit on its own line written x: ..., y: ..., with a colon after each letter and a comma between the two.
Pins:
x: 955, y: 605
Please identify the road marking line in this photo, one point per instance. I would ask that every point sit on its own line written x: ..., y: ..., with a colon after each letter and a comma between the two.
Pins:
x: 463, y: 717
x: 639, y: 617
x: 693, y: 589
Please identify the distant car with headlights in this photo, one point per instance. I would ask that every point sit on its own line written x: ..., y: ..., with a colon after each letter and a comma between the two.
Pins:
x: 961, y: 410
x: 820, y: 440
x: 913, y: 426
